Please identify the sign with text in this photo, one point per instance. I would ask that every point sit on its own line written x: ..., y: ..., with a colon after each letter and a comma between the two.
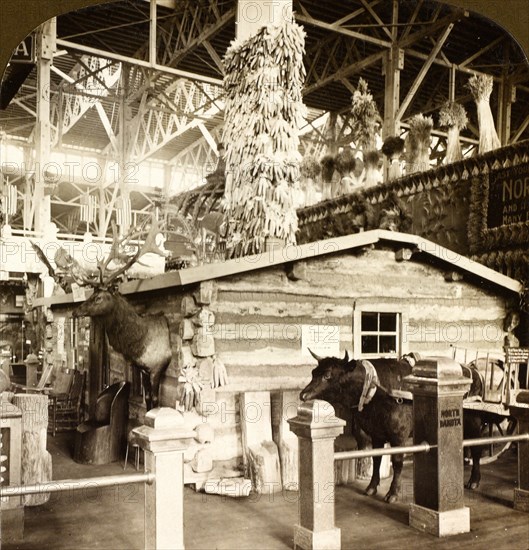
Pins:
x: 25, y: 51
x: 508, y: 196
x: 323, y: 340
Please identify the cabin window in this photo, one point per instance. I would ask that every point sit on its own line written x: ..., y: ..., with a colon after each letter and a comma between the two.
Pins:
x: 379, y: 333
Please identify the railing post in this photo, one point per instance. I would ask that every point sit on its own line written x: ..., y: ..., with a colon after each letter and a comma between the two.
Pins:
x: 316, y: 426
x: 521, y: 493
x: 164, y: 440
x: 438, y: 387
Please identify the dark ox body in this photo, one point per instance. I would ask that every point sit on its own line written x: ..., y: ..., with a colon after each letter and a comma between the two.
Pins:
x: 385, y: 419
x: 144, y: 341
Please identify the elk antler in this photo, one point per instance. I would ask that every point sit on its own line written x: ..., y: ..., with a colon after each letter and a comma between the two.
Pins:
x: 70, y: 265
x: 148, y: 246
x: 65, y: 264
x: 42, y: 257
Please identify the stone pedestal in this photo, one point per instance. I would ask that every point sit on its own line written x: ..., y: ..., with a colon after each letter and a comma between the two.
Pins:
x: 260, y: 453
x: 164, y: 439
x: 36, y: 460
x: 31, y: 374
x: 283, y: 408
x: 438, y: 387
x: 317, y: 427
x: 521, y: 494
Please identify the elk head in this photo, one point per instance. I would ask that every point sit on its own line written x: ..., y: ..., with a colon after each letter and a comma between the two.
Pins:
x: 101, y: 303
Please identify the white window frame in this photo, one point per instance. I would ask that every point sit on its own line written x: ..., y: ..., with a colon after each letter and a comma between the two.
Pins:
x: 402, y: 320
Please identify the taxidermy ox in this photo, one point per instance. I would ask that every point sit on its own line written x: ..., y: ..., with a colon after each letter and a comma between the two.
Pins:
x: 382, y: 417
x: 144, y: 341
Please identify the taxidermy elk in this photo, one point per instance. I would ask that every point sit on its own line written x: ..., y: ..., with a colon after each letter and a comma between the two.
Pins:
x: 143, y: 340
x: 382, y: 417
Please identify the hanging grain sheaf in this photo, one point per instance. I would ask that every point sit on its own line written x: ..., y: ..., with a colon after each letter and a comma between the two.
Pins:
x: 264, y: 112
x: 453, y: 117
x: 481, y: 87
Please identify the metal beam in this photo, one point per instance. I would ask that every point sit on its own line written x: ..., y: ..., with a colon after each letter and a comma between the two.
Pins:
x: 422, y: 73
x: 375, y: 16
x: 520, y: 130
x: 205, y: 34
x: 308, y: 19
x: 347, y: 71
x: 480, y: 52
x: 141, y: 63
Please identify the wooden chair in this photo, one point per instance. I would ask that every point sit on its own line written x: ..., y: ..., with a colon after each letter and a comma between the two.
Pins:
x: 101, y: 439
x: 66, y: 400
x: 41, y: 385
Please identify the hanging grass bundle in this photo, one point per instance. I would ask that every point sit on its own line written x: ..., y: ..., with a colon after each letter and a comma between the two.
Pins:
x: 365, y: 119
x: 310, y: 167
x: 453, y: 117
x: 453, y: 114
x: 418, y: 143
x: 393, y: 147
x: 371, y: 163
x: 345, y: 162
x: 365, y: 122
x: 327, y: 168
x: 481, y: 88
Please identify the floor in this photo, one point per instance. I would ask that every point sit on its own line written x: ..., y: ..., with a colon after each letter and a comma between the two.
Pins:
x: 112, y: 518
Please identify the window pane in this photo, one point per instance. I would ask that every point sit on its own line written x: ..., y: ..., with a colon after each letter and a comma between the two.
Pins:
x: 388, y: 344
x: 388, y: 322
x: 369, y: 321
x: 369, y: 344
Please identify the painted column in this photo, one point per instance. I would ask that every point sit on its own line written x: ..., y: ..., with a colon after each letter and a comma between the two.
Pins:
x: 42, y: 134
x: 254, y: 14
x: 316, y: 426
x: 393, y: 63
x: 438, y: 387
x: 164, y: 439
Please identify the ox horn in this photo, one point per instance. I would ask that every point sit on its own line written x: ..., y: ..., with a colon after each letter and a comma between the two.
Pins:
x: 346, y: 357
x: 317, y: 357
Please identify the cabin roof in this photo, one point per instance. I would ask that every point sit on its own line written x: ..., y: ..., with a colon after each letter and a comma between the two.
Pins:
x: 420, y: 247
x: 280, y: 256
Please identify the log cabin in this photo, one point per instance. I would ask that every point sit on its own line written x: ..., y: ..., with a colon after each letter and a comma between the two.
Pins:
x: 374, y: 293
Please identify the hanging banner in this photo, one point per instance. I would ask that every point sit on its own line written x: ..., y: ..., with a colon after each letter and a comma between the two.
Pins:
x: 508, y: 196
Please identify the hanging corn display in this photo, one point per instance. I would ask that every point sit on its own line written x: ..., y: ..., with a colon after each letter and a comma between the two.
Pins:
x: 123, y: 212
x: 9, y: 201
x: 88, y: 208
x: 264, y: 111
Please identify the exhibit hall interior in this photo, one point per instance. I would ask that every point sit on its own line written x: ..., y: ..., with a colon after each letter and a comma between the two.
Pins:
x: 264, y: 274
